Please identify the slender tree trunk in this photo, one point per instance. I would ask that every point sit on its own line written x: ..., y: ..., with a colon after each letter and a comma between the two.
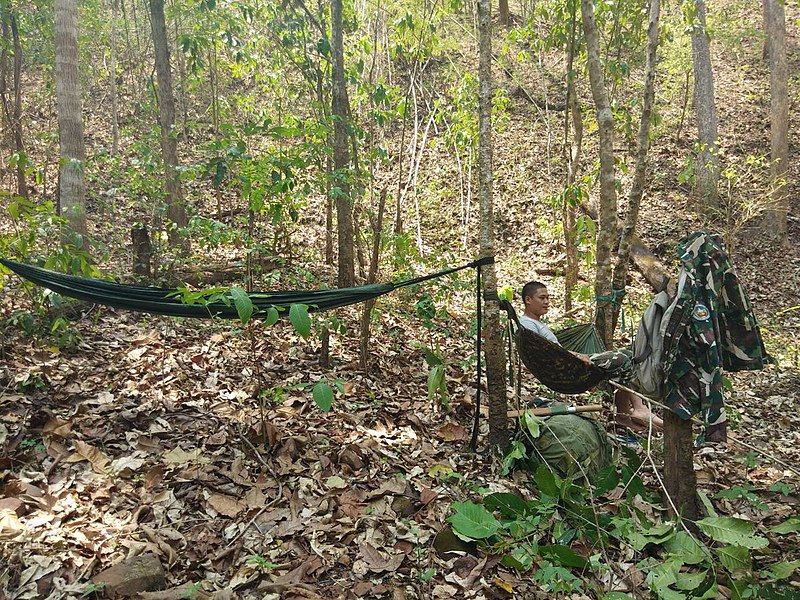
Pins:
x: 377, y: 231
x: 72, y: 185
x: 495, y: 360
x: 618, y: 281
x: 776, y: 217
x: 680, y: 480
x: 574, y: 114
x: 13, y: 114
x: 176, y: 208
x: 707, y: 167
x: 607, y: 206
x: 502, y: 8
x: 341, y: 154
x: 113, y: 82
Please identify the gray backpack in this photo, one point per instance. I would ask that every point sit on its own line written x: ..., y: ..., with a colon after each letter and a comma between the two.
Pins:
x: 648, y: 346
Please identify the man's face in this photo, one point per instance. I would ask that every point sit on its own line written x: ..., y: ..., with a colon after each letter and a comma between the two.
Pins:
x: 538, y: 302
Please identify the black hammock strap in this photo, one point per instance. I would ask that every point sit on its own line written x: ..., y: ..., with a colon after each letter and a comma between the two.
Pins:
x: 555, y: 366
x: 167, y: 301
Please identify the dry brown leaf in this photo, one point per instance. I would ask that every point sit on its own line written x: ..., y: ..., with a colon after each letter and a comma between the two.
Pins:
x: 226, y: 505
x: 83, y: 451
x: 452, y: 432
x: 378, y: 561
x: 179, y: 456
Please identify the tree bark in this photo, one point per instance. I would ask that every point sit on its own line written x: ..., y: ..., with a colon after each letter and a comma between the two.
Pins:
x: 495, y: 360
x: 679, y: 477
x: 72, y: 185
x: 574, y: 114
x: 13, y: 113
x: 113, y: 80
x: 341, y: 154
x: 776, y: 217
x: 176, y: 208
x: 502, y: 8
x: 607, y: 206
x: 377, y: 231
x: 620, y: 276
x: 707, y: 166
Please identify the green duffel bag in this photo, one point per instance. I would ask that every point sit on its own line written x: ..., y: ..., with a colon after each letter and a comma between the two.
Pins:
x: 571, y: 445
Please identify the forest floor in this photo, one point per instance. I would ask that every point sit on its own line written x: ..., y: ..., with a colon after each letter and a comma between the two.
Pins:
x: 201, y: 444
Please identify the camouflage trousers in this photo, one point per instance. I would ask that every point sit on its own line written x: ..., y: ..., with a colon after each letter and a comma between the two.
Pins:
x: 615, y: 363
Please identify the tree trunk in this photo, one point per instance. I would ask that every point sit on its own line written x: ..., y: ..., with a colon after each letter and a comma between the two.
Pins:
x: 679, y: 477
x: 607, y: 223
x: 707, y: 166
x: 113, y: 81
x: 775, y: 222
x: 341, y: 154
x: 574, y: 114
x: 495, y: 359
x: 13, y: 113
x: 72, y: 186
x: 142, y: 251
x: 619, y: 279
x: 377, y: 231
x: 176, y: 208
x: 502, y: 7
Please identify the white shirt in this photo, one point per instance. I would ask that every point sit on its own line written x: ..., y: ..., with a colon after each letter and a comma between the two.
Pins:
x: 539, y: 328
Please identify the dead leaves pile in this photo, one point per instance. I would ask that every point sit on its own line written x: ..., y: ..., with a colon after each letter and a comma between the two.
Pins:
x: 149, y: 440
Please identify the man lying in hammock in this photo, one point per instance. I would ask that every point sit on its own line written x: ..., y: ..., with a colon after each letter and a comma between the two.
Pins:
x: 631, y: 412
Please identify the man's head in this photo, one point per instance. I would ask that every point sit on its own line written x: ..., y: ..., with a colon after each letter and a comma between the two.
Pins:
x: 535, y: 298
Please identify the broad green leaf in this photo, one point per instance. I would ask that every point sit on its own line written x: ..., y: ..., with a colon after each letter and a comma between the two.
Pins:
x: 435, y: 379
x: 790, y: 525
x: 707, y: 503
x: 547, y: 482
x: 712, y: 593
x: 734, y: 558
x: 617, y: 596
x: 508, y: 505
x: 323, y: 395
x: 782, y: 570
x: 730, y: 530
x: 664, y: 575
x: 298, y: 315
x: 272, y: 316
x: 516, y: 452
x: 690, y: 550
x: 473, y: 521
x: 669, y: 594
x: 564, y: 555
x: 606, y: 480
x: 657, y: 534
x: 690, y: 581
x: 532, y: 424
x: 243, y: 304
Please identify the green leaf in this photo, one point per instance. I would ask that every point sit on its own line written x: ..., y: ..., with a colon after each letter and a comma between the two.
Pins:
x: 606, y: 480
x: 790, y: 525
x: 734, y: 558
x: 473, y: 521
x: 323, y: 396
x: 690, y: 581
x: 617, y: 596
x: 690, y: 550
x: 272, y: 316
x: 532, y: 424
x: 547, y: 482
x: 664, y: 575
x: 508, y: 505
x: 298, y: 315
x: 520, y: 558
x: 243, y: 304
x: 435, y: 380
x: 655, y: 535
x: 707, y: 503
x: 564, y: 555
x: 782, y: 570
x: 730, y: 530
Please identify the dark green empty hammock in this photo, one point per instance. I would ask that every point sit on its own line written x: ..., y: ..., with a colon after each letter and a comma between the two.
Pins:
x: 555, y: 366
x: 167, y: 301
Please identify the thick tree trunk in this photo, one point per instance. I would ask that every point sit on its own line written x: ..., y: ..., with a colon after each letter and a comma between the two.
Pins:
x: 619, y: 279
x: 72, y: 186
x: 776, y: 217
x: 176, y: 208
x: 341, y: 155
x: 707, y: 166
x: 679, y: 477
x: 607, y: 206
x: 502, y: 8
x: 495, y: 359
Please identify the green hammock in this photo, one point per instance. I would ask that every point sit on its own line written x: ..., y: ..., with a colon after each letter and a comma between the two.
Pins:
x: 554, y: 365
x: 167, y: 301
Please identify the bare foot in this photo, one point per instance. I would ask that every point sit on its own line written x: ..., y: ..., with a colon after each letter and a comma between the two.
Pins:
x: 643, y: 419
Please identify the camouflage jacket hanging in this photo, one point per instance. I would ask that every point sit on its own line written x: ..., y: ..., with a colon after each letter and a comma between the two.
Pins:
x: 710, y: 327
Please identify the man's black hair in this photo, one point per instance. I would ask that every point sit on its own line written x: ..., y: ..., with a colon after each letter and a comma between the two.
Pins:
x: 530, y: 288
